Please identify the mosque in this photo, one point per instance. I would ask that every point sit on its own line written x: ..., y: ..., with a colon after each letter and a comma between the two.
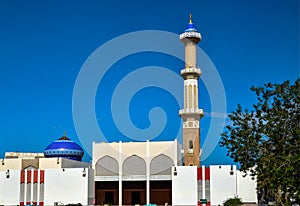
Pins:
x: 128, y: 173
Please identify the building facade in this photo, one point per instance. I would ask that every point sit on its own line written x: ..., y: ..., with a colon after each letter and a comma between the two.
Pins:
x: 47, y: 186
x: 129, y: 173
x: 56, y: 176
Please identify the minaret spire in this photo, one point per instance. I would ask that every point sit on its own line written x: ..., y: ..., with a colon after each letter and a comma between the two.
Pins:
x: 191, y: 114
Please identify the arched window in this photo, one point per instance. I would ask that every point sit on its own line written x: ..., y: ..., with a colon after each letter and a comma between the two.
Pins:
x: 161, y: 165
x: 134, y: 165
x: 107, y: 166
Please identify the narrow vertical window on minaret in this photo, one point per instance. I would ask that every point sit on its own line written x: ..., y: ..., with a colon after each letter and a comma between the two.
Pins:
x: 191, y: 144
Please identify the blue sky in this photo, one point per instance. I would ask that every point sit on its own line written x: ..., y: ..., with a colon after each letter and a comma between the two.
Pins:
x: 44, y: 45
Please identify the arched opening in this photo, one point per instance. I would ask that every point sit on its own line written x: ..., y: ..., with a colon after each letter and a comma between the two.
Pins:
x: 134, y: 165
x: 134, y: 192
x: 107, y: 166
x: 107, y: 192
x: 161, y: 165
x: 161, y: 190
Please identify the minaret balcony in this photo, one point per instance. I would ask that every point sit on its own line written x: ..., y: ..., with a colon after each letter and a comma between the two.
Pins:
x: 191, y: 34
x: 192, y: 71
x: 193, y: 112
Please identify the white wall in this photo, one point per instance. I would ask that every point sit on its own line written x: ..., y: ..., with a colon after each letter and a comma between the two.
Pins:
x: 168, y: 148
x: 222, y: 184
x: 66, y: 186
x: 46, y: 163
x: 184, y: 186
x: 54, y: 162
x: 10, y: 187
x: 11, y: 164
x: 246, y: 188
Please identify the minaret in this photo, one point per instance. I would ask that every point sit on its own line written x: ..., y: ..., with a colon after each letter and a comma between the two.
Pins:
x: 191, y: 114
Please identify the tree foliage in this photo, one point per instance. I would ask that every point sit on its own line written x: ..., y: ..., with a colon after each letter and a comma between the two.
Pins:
x: 266, y: 140
x: 236, y: 201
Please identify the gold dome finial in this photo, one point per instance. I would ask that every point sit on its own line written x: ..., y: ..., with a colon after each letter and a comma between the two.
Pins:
x: 65, y: 133
x: 191, y: 19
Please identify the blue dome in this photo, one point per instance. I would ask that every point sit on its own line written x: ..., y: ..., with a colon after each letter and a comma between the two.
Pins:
x: 64, y: 148
x: 190, y: 27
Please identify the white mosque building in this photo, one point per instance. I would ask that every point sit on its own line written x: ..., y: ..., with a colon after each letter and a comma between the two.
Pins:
x: 128, y: 173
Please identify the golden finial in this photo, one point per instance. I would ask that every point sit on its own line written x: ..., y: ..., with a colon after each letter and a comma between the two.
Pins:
x: 191, y: 19
x: 65, y: 133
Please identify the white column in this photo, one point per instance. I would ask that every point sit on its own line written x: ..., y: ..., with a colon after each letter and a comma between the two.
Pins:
x: 31, y: 188
x: 120, y: 173
x: 148, y: 173
x: 25, y: 186
x: 203, y: 182
x: 38, y: 187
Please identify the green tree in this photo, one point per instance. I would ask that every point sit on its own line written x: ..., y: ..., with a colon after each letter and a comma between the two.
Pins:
x: 265, y: 140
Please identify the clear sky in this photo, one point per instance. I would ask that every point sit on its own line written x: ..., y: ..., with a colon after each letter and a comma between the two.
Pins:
x: 44, y: 45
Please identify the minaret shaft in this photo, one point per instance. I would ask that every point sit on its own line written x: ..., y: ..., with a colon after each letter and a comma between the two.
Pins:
x: 191, y: 94
x: 191, y: 114
x: 190, y: 55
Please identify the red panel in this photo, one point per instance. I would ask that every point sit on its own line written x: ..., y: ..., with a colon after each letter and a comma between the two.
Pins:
x: 207, y: 173
x: 27, y: 203
x: 29, y: 176
x: 42, y: 176
x: 22, y: 179
x: 41, y: 203
x: 21, y: 203
x: 35, y: 176
x: 199, y: 173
